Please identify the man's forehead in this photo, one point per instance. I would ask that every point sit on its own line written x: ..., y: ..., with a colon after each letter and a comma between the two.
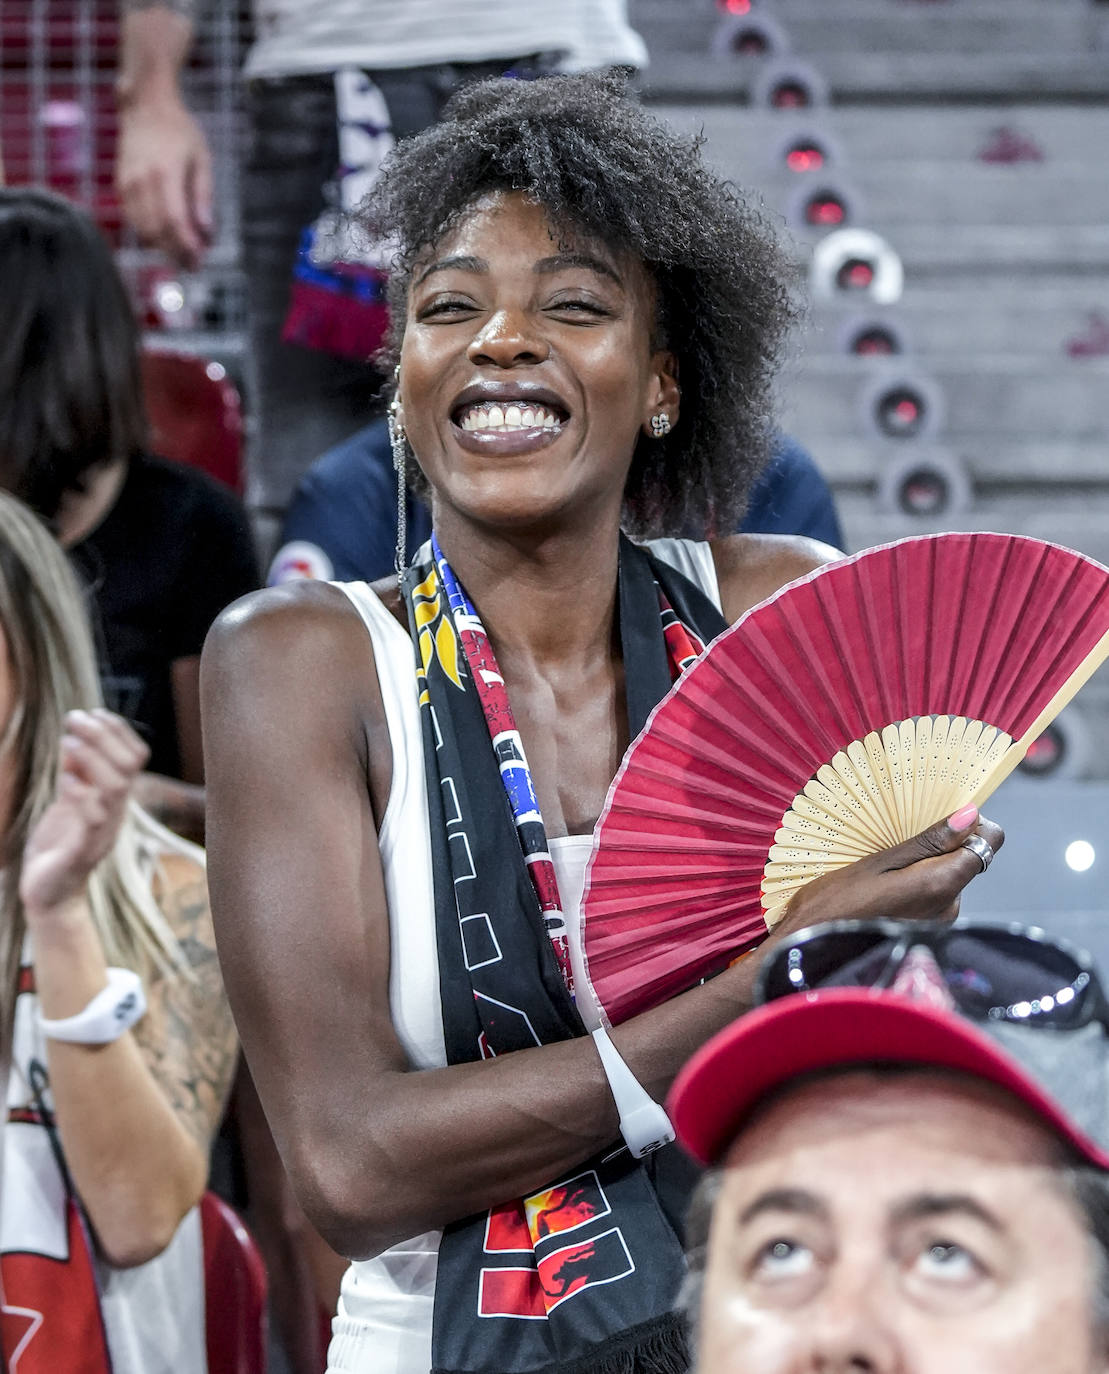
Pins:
x: 872, y: 1117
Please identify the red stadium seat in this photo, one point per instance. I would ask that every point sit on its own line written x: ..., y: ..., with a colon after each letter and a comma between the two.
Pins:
x: 234, y: 1291
x: 195, y: 415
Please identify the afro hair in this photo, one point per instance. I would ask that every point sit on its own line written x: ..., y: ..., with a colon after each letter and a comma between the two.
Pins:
x: 605, y: 168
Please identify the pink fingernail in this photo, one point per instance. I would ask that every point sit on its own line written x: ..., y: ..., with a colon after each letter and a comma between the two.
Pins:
x: 965, y: 816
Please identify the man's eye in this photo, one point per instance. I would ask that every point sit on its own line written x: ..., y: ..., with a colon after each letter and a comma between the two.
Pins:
x: 783, y: 1259
x: 949, y: 1262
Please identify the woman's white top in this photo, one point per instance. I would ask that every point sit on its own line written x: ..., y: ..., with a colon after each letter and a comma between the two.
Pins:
x: 383, y: 1325
x: 154, y: 1316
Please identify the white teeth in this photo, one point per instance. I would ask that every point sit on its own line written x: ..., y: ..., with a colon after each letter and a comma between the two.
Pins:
x: 505, y: 419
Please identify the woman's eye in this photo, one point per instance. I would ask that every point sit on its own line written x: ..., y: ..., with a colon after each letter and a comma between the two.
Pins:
x: 949, y: 1262
x: 784, y: 1259
x: 579, y: 307
x: 447, y: 306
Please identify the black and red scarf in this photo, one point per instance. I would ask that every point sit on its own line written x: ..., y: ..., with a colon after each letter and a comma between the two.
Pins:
x: 581, y: 1277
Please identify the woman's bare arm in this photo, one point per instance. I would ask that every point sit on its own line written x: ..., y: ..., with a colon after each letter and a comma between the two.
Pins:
x: 187, y: 1036
x: 295, y: 739
x: 135, y: 1116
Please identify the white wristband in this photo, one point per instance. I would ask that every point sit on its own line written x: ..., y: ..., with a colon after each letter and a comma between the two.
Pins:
x: 643, y: 1122
x: 107, y: 1016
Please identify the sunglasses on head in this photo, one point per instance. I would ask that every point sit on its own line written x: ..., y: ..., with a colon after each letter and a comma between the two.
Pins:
x: 990, y: 973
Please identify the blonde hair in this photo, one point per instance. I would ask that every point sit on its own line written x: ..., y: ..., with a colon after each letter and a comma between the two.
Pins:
x: 52, y: 664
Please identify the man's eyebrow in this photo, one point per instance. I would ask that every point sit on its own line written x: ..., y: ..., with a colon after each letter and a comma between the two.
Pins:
x: 925, y: 1205
x: 460, y: 263
x: 795, y: 1200
x: 546, y: 267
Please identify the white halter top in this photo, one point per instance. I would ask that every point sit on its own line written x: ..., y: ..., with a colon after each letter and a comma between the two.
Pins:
x: 383, y: 1325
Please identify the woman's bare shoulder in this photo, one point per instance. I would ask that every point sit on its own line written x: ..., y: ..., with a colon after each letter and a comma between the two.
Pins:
x: 289, y: 686
x: 267, y: 646
x: 751, y: 567
x: 297, y: 615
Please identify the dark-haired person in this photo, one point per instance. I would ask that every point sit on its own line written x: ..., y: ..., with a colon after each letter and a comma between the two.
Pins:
x: 161, y: 547
x: 586, y: 322
x: 908, y: 1175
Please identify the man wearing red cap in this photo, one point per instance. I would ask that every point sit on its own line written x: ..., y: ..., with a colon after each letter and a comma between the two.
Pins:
x: 910, y: 1159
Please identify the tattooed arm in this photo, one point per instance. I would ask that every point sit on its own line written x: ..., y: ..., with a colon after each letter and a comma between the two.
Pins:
x: 134, y: 1115
x: 163, y: 166
x: 187, y: 1037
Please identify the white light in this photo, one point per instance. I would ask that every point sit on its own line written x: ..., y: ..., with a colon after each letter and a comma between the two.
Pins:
x: 215, y: 372
x: 1079, y: 855
x: 170, y: 297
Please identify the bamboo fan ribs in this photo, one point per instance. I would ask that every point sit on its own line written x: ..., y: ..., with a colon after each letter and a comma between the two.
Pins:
x: 849, y: 712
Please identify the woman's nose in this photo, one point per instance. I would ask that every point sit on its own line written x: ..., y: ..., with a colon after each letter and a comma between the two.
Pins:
x: 506, y: 340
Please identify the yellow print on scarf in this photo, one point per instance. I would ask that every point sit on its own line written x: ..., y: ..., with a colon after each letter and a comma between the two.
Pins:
x: 436, y: 633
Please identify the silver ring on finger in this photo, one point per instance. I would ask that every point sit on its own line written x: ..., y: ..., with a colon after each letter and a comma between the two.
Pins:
x: 981, y: 849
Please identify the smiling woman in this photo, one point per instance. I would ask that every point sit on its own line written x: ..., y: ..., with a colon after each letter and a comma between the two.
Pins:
x: 631, y: 207
x: 584, y: 326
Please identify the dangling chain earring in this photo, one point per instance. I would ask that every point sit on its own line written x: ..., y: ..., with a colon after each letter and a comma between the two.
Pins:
x: 660, y: 425
x: 399, y: 446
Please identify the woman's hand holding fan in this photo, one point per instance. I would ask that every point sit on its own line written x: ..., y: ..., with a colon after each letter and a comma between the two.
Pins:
x: 920, y: 879
x: 806, y: 766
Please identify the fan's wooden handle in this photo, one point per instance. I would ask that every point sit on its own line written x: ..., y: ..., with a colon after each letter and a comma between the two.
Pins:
x: 1009, y: 760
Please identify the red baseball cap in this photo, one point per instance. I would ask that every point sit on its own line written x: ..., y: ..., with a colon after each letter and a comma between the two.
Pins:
x: 1060, y: 1074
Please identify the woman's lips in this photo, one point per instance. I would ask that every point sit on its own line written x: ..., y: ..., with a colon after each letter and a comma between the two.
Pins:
x: 506, y: 443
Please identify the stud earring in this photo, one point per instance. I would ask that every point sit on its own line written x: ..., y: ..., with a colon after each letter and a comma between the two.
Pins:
x: 660, y: 425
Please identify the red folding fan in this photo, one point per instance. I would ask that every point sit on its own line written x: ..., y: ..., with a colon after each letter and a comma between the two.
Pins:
x: 850, y: 711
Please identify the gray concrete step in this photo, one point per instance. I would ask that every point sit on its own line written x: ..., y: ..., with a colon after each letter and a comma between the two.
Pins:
x: 982, y: 396
x: 985, y: 28
x: 913, y: 191
x: 855, y: 78
x: 1065, y: 520
x: 995, y: 217
x: 982, y: 27
x: 987, y: 48
x: 908, y: 183
x: 955, y: 253
x: 1037, y: 317
x: 993, y: 462
x: 948, y: 132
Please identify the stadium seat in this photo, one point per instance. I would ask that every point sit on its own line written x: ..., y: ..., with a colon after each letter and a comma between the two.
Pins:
x: 235, y: 1292
x: 195, y: 415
